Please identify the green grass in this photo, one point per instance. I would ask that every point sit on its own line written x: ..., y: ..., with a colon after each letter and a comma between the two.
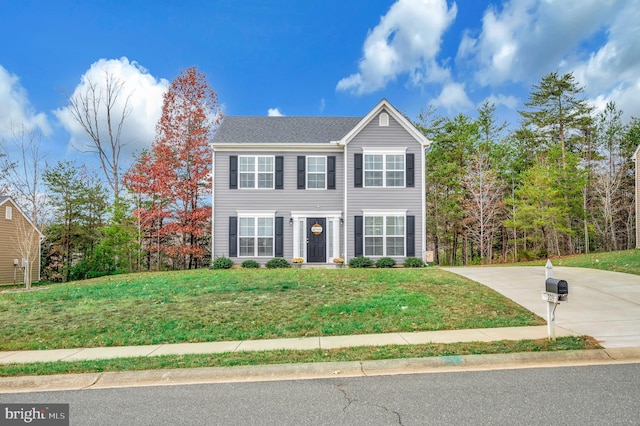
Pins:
x: 290, y: 357
x: 237, y: 304
x: 627, y: 261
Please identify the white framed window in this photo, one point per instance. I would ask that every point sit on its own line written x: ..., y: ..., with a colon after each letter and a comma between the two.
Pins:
x: 256, y: 171
x: 384, y: 170
x: 8, y: 213
x: 383, y: 120
x: 384, y: 236
x: 256, y: 236
x: 316, y: 172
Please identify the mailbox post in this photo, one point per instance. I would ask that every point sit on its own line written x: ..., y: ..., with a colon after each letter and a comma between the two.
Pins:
x: 555, y: 291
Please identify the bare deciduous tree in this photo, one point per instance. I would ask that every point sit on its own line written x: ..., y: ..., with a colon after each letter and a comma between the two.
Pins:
x: 482, y: 204
x: 21, y: 165
x: 98, y: 111
x: 27, y: 242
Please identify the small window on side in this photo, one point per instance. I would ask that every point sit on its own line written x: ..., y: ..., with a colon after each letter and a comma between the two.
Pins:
x: 9, y: 213
x: 384, y: 119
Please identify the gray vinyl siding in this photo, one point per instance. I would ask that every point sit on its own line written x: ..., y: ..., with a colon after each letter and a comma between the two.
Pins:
x: 393, y: 136
x: 227, y: 202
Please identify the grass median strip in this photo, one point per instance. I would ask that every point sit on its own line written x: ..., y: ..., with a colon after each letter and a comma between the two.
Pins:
x: 298, y: 356
x: 240, y: 304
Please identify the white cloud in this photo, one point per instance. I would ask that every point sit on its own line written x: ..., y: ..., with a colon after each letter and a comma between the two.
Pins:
x: 16, y: 111
x: 526, y: 39
x: 453, y: 98
x: 145, y: 102
x: 406, y: 41
x: 509, y: 101
x: 274, y: 112
x: 612, y: 72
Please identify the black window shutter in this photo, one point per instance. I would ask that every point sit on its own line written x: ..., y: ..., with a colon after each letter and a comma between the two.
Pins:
x: 279, y: 172
x: 357, y: 168
x: 331, y: 172
x: 279, y: 244
x: 411, y: 236
x: 410, y: 159
x: 358, y: 230
x: 301, y: 171
x: 233, y: 172
x: 233, y: 236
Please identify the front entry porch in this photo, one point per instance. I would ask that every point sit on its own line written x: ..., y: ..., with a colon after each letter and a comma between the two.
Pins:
x: 316, y: 237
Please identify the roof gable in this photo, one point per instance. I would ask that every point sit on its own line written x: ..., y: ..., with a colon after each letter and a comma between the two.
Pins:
x: 384, y: 105
x: 8, y: 200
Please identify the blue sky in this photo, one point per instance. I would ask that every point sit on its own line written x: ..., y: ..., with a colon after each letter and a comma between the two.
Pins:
x: 296, y: 57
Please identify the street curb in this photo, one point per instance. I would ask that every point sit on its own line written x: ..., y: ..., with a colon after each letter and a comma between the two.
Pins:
x: 321, y: 370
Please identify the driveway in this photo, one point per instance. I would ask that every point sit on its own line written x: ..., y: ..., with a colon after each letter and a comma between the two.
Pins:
x: 602, y: 304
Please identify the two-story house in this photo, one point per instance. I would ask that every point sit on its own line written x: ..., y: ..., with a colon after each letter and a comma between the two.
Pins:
x: 319, y: 187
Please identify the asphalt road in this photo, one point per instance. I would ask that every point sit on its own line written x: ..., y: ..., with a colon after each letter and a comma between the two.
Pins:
x: 604, y: 394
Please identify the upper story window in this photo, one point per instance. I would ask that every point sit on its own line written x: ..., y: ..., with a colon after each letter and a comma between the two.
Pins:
x: 384, y: 170
x: 256, y: 171
x: 9, y: 213
x: 316, y: 172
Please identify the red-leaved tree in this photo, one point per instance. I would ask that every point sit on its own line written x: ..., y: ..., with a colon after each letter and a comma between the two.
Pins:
x: 173, y: 180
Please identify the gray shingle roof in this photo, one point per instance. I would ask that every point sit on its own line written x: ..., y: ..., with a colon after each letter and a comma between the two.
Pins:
x: 3, y: 198
x: 242, y: 129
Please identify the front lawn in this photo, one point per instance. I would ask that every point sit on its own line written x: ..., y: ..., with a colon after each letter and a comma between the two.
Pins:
x: 238, y: 304
x: 627, y: 261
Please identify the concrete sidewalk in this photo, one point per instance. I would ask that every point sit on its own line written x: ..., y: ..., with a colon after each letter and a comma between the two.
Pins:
x: 602, y: 304
x: 307, y: 343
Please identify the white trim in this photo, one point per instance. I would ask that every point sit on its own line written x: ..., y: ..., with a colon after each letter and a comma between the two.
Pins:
x: 384, y: 234
x: 306, y: 172
x: 213, y: 204
x: 256, y: 173
x: 379, y: 150
x: 383, y: 119
x: 256, y: 236
x: 384, y: 170
x: 333, y: 146
x: 423, y: 218
x: 345, y: 227
x: 256, y: 213
x: 297, y: 214
x: 396, y: 212
x: 301, y: 217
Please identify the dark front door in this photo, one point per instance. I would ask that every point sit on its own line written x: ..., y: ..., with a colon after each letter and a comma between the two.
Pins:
x: 316, y: 240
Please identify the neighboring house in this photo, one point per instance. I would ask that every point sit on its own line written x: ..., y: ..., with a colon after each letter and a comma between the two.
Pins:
x: 19, y: 244
x: 636, y: 159
x: 319, y: 188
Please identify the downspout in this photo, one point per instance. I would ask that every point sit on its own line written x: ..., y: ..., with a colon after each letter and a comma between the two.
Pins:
x: 345, y: 225
x: 213, y: 206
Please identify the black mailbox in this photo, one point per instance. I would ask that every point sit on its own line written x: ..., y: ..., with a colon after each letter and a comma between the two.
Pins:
x: 554, y: 285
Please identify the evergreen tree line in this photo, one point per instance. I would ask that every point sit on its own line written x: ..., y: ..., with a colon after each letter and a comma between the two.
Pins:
x: 561, y: 183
